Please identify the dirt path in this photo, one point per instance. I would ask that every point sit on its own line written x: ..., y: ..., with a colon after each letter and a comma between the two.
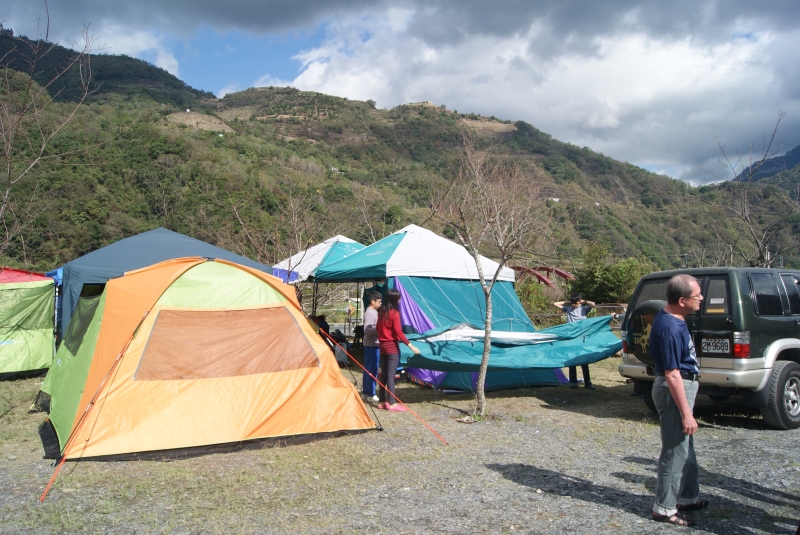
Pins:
x: 550, y: 460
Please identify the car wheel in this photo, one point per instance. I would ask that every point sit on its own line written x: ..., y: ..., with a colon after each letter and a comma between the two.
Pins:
x: 720, y: 398
x: 783, y: 408
x: 647, y: 396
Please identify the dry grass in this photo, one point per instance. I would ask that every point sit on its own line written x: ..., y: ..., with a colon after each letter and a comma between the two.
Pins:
x: 200, y: 121
x: 399, y: 480
x: 243, y: 113
x: 489, y: 127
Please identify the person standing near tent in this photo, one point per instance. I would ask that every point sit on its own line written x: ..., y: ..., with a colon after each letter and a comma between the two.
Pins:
x: 371, y: 345
x: 576, y: 310
x: 674, y: 392
x: 390, y: 334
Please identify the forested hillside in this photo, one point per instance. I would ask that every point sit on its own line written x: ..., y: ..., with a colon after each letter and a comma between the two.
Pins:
x: 294, y: 167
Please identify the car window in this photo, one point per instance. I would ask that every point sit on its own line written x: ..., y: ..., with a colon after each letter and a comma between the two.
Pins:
x: 790, y: 282
x: 657, y: 289
x: 768, y: 298
x: 652, y: 289
x: 717, y: 301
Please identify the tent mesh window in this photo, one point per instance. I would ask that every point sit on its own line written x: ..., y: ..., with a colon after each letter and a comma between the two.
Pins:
x: 81, y: 320
x: 201, y: 344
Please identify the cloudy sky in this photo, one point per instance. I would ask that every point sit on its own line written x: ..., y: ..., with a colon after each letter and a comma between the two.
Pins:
x: 649, y: 82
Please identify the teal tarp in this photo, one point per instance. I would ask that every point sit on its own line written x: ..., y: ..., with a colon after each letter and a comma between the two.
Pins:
x: 580, y: 342
x: 448, y: 302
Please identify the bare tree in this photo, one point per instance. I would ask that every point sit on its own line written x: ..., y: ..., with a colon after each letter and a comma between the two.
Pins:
x: 492, y: 203
x: 300, y: 221
x: 758, y: 220
x: 30, y: 120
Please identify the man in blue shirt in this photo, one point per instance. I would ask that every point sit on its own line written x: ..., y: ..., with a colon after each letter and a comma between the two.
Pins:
x: 674, y: 391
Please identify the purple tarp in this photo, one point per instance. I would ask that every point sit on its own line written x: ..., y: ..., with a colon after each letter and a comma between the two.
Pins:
x: 410, y: 313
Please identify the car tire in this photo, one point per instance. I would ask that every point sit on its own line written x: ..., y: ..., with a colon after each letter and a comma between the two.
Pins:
x: 783, y: 408
x: 647, y: 397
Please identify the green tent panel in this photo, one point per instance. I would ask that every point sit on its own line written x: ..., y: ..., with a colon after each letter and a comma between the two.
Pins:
x: 26, y: 325
x: 66, y: 377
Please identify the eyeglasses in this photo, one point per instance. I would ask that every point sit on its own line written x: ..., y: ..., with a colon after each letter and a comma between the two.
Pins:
x: 698, y: 297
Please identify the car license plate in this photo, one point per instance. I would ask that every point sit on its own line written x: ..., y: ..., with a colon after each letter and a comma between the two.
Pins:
x: 716, y: 345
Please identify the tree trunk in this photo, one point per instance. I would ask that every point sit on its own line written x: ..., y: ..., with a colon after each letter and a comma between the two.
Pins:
x: 487, y: 349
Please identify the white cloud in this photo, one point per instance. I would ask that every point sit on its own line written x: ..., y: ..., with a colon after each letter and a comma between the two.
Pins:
x: 230, y: 88
x: 115, y: 39
x: 268, y: 80
x: 651, y: 101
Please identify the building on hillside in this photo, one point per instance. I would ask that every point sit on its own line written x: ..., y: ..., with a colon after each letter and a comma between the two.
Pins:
x: 6, y: 31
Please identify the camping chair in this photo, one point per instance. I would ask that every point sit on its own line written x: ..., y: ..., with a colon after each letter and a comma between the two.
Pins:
x: 358, y: 336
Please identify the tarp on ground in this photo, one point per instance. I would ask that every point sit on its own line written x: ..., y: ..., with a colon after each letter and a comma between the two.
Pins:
x: 130, y: 254
x: 572, y: 344
x: 411, y: 251
x: 467, y: 381
x: 26, y: 321
x: 453, y: 313
x: 189, y: 353
x: 302, y: 265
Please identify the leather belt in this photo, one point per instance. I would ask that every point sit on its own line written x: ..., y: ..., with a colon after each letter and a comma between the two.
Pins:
x: 685, y: 375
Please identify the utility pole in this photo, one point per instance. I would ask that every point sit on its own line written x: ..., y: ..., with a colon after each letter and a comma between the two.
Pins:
x: 685, y: 260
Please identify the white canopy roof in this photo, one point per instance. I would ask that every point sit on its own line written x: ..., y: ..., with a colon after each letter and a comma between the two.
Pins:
x: 305, y: 262
x: 423, y: 253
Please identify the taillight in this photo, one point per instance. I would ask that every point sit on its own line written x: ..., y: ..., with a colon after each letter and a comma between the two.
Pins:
x: 624, y: 342
x: 741, y: 345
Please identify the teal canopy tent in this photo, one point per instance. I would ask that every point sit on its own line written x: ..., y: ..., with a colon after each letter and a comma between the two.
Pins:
x: 443, y: 309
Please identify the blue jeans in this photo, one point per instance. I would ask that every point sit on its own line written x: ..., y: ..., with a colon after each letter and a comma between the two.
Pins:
x: 677, y: 466
x: 372, y: 360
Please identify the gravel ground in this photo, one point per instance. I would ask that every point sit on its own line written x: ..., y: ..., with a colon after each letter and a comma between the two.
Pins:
x: 548, y: 460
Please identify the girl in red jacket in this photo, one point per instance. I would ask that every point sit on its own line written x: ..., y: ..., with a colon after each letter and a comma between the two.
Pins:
x: 390, y: 334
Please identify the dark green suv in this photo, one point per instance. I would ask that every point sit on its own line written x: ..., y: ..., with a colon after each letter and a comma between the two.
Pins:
x: 747, y: 335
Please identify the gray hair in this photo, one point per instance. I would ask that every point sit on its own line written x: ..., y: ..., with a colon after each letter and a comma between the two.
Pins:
x: 679, y: 286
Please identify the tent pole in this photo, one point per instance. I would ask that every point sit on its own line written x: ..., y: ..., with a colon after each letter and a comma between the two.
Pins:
x: 314, y: 300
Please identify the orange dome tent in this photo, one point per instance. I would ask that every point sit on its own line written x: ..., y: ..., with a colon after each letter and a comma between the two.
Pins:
x: 192, y: 352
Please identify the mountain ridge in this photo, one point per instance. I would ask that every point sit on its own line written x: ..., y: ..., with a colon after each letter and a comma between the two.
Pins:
x: 362, y: 171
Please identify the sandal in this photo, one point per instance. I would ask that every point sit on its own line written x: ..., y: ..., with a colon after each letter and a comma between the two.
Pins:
x: 675, y: 520
x: 701, y: 504
x: 397, y: 408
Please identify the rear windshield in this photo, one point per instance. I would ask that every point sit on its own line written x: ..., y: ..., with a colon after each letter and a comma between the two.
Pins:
x: 657, y: 289
x: 716, y: 301
x: 652, y: 289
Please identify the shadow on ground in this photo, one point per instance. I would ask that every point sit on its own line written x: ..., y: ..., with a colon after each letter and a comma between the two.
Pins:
x: 617, y: 402
x: 604, y: 402
x: 748, y: 489
x: 742, y: 517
